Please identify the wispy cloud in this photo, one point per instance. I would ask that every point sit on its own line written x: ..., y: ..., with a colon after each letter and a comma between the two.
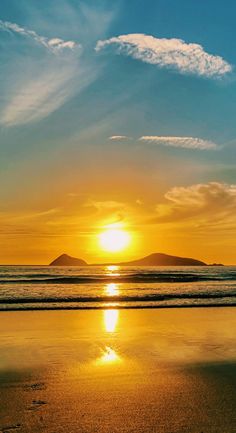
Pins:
x: 105, y: 204
x: 187, y: 58
x: 209, y: 203
x: 119, y: 137
x: 45, y: 79
x: 54, y: 44
x: 184, y: 142
x: 45, y: 84
x: 39, y: 97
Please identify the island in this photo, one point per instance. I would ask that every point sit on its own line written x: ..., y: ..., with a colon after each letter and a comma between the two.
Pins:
x: 160, y: 259
x: 155, y: 259
x: 65, y: 260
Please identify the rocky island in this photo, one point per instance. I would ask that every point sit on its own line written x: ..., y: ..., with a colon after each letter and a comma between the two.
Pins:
x: 155, y: 259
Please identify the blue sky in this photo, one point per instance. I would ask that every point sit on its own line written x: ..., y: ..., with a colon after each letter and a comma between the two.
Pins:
x: 87, y: 112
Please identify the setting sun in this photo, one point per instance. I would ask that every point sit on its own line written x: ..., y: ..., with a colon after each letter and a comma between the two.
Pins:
x: 114, y: 240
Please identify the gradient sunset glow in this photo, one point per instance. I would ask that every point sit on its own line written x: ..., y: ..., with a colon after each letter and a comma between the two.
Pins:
x: 117, y: 140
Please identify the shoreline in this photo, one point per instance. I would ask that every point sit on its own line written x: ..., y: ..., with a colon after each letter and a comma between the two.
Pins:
x: 119, y: 307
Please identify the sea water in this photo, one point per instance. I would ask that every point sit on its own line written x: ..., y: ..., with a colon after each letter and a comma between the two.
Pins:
x: 46, y: 287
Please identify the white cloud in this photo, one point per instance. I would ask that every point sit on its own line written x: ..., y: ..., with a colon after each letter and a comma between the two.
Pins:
x: 59, y: 43
x: 119, y: 137
x: 202, y: 203
x: 202, y: 194
x: 44, y: 87
x: 187, y: 58
x: 39, y: 97
x: 35, y: 82
x: 184, y: 142
x: 54, y: 44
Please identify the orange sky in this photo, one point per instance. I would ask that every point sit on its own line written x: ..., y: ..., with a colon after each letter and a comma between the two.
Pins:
x: 196, y: 221
x: 100, y: 126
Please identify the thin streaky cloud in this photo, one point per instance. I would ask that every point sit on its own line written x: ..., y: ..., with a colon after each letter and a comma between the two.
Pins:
x: 182, y: 142
x: 46, y: 92
x: 187, y: 58
x: 106, y: 204
x: 119, y: 137
x: 42, y: 84
x: 40, y: 97
x: 54, y: 44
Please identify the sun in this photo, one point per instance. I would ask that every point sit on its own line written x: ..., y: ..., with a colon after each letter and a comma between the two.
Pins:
x: 114, y: 240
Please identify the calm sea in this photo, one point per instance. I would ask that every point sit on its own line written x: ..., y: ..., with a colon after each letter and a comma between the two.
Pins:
x: 43, y: 287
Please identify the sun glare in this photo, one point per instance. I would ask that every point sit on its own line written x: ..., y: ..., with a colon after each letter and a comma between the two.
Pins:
x: 114, y: 240
x: 109, y: 356
x: 110, y: 320
x: 112, y: 289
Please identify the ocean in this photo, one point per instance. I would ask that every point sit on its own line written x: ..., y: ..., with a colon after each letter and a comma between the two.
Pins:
x: 44, y: 287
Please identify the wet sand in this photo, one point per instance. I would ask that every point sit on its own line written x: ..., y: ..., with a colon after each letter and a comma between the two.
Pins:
x: 171, y: 371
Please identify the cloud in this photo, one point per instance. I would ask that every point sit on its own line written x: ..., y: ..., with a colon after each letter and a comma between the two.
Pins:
x: 42, y: 85
x: 187, y: 58
x: 54, y: 44
x: 37, y: 80
x: 183, y: 142
x: 110, y: 211
x: 105, y: 204
x: 119, y: 137
x: 208, y: 204
x: 200, y: 195
x: 39, y: 97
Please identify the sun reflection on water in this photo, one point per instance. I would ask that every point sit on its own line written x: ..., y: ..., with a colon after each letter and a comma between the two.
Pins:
x: 109, y: 356
x: 112, y: 270
x: 112, y: 289
x: 110, y: 320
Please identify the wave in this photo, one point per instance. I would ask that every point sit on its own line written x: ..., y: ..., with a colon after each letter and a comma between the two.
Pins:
x: 99, y: 299
x: 39, y: 288
x: 61, y: 306
x: 130, y: 278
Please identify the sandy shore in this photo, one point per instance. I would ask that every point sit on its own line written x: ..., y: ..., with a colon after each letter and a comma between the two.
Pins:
x: 169, y: 371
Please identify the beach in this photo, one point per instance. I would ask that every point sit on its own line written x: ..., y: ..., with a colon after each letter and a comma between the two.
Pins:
x: 167, y: 371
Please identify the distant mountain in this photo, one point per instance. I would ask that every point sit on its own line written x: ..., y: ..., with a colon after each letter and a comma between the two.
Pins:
x: 65, y: 260
x: 156, y: 259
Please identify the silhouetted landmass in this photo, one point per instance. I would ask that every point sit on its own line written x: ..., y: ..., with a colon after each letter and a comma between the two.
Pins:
x: 156, y: 259
x: 159, y: 259
x: 65, y: 260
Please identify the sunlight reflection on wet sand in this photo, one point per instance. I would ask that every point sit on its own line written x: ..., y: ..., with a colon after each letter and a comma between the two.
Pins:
x: 109, y: 356
x: 130, y: 368
x: 110, y: 320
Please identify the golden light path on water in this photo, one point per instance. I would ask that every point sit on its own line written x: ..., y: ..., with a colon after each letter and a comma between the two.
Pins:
x: 112, y: 289
x: 109, y: 354
x: 110, y: 320
x: 112, y: 270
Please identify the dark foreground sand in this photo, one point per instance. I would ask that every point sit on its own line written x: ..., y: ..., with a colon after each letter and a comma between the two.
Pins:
x: 118, y: 371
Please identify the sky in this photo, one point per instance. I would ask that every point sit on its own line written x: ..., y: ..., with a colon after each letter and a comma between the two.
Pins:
x: 117, y: 113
